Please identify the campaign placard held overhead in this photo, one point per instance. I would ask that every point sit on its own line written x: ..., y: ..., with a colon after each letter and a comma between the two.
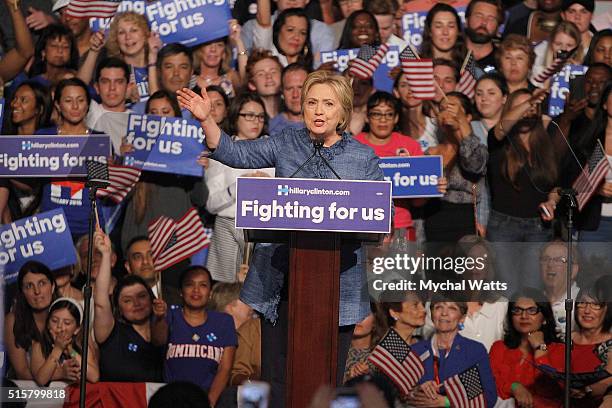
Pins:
x: 189, y: 22
x: 53, y: 156
x: 381, y: 78
x: 44, y: 237
x: 164, y: 144
x: 413, y: 176
x: 313, y: 204
x: 559, y: 87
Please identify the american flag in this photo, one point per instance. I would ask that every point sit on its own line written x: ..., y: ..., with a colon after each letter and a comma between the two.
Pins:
x: 395, y: 358
x: 368, y: 59
x: 92, y: 8
x: 469, y: 76
x: 122, y: 179
x: 465, y: 390
x: 586, y: 184
x: 558, y: 63
x: 419, y: 74
x: 172, y: 241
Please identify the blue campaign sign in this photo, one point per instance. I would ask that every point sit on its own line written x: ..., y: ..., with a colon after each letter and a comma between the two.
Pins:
x: 189, y: 22
x: 559, y: 87
x: 1, y: 111
x: 53, y: 156
x: 164, y: 144
x: 413, y: 176
x: 313, y: 204
x: 44, y: 237
x: 382, y: 81
x: 102, y: 24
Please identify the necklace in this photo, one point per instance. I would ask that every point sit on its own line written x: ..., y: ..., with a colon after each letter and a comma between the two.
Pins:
x: 60, y: 132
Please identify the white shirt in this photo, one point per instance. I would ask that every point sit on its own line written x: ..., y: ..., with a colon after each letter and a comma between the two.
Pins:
x: 111, y: 123
x: 558, y: 308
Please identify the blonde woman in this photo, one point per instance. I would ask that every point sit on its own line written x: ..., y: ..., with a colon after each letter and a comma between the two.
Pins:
x: 565, y: 37
x: 130, y: 39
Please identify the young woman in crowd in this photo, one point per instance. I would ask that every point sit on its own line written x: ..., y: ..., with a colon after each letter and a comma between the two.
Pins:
x: 529, y: 340
x: 246, y: 120
x: 449, y: 353
x: 515, y: 57
x: 26, y: 321
x: 289, y: 38
x: 123, y: 328
x: 213, y: 335
x: 129, y: 38
x: 342, y: 9
x: 591, y: 340
x: 442, y: 34
x: 464, y: 159
x: 523, y: 174
x: 219, y: 102
x: 600, y: 49
x: 61, y: 344
x: 361, y: 28
x: 564, y: 38
x: 56, y: 55
x: 158, y: 194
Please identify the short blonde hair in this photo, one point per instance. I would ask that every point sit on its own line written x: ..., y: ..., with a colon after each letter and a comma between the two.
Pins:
x: 341, y: 88
x: 223, y: 294
x: 112, y: 45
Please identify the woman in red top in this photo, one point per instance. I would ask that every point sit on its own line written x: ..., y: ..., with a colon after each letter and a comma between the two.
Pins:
x: 530, y: 340
x: 382, y: 117
x: 592, y: 340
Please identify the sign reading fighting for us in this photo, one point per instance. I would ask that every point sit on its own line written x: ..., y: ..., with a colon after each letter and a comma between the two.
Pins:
x: 53, y: 156
x: 164, y: 144
x: 559, y: 87
x: 313, y: 204
x: 189, y: 22
x: 413, y: 177
x: 44, y: 237
x: 382, y: 81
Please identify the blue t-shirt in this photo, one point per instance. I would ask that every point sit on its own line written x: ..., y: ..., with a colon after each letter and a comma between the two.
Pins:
x: 194, y: 353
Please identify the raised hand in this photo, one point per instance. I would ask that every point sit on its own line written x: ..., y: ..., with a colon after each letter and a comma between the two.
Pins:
x: 37, y: 20
x: 198, y: 105
x: 102, y: 242
x: 96, y: 42
x: 155, y: 44
x: 160, y: 309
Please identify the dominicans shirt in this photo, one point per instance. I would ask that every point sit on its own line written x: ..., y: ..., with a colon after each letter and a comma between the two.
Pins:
x: 194, y: 353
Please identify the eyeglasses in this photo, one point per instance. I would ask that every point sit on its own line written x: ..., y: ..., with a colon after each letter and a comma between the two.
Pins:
x: 531, y: 311
x: 380, y: 115
x: 557, y: 260
x: 250, y: 116
x: 593, y: 305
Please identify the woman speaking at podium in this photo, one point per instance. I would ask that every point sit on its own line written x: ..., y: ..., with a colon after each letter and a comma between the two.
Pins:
x: 327, y: 101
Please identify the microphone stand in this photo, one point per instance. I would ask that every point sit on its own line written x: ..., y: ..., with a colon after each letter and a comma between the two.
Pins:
x: 569, y: 195
x: 318, y: 144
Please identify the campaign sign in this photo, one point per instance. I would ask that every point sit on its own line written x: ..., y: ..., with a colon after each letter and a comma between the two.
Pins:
x: 189, y: 22
x: 44, y: 237
x: 415, y: 12
x: 140, y: 76
x: 382, y: 81
x: 1, y: 111
x: 164, y: 144
x: 559, y: 87
x: 53, y: 156
x: 413, y: 176
x: 102, y: 24
x: 313, y: 204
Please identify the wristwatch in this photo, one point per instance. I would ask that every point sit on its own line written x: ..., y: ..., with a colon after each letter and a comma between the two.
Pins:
x: 542, y: 347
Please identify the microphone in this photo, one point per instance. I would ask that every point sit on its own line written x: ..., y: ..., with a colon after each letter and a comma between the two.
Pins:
x: 317, y: 144
x: 97, y: 174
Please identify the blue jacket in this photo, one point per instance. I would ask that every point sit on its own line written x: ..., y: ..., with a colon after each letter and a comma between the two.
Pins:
x: 286, y: 152
x: 464, y: 354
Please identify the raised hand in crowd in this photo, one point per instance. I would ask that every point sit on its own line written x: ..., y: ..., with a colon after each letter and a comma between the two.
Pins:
x: 155, y: 44
x: 511, y: 115
x: 159, y: 325
x: 104, y: 321
x: 14, y: 61
x: 37, y: 20
x: 87, y: 68
x: 200, y: 107
x: 236, y: 42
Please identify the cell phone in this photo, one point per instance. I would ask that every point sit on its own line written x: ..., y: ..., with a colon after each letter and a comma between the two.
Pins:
x: 254, y: 394
x: 346, y: 398
x: 545, y: 211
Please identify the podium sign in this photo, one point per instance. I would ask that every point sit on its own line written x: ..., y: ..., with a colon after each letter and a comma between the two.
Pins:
x: 413, y: 176
x: 313, y: 205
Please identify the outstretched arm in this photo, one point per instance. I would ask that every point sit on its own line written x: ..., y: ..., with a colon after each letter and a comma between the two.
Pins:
x: 104, y: 321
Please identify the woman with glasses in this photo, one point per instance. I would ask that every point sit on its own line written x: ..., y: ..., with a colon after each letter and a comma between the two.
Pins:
x: 529, y: 340
x: 246, y: 120
x: 446, y: 354
x: 591, y: 341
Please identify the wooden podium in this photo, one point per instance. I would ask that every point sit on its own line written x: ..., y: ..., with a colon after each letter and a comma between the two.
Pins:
x: 314, y: 295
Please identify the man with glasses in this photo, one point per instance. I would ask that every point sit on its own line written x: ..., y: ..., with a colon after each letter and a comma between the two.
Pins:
x: 553, y: 271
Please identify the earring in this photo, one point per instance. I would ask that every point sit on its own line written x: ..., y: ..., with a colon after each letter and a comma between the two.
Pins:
x: 461, y: 326
x: 305, y: 50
